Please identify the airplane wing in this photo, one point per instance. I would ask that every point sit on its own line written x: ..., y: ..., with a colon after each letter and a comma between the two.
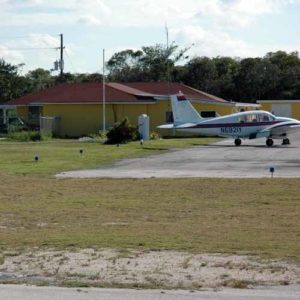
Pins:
x: 281, y: 129
x: 181, y: 126
x: 166, y: 126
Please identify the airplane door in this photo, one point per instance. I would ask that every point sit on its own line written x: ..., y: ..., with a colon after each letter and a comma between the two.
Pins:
x: 282, y: 110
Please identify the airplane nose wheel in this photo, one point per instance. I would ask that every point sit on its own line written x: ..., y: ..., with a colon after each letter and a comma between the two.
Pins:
x: 286, y: 141
x: 269, y: 142
x: 237, y: 142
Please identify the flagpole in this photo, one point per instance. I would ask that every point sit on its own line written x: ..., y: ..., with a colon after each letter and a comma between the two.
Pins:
x: 103, y: 89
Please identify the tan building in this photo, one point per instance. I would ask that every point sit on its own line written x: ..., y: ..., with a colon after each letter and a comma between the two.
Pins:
x: 76, y: 109
x: 283, y: 108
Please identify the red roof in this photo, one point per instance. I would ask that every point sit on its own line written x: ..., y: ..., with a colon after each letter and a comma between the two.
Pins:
x: 115, y: 93
x: 163, y: 88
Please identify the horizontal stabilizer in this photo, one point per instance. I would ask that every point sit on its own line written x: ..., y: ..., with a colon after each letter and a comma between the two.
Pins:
x: 185, y: 125
x: 166, y: 126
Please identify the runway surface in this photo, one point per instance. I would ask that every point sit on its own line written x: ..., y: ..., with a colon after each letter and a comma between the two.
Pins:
x: 223, y: 159
x: 18, y: 292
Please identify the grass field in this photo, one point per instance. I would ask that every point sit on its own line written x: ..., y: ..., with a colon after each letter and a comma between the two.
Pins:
x: 247, y: 216
x: 254, y: 216
x: 54, y: 157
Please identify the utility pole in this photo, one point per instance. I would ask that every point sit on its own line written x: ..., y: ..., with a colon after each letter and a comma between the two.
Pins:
x: 103, y: 95
x: 168, y: 66
x: 61, y: 62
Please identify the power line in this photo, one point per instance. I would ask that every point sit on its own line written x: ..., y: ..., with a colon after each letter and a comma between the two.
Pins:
x: 69, y: 58
x: 28, y: 36
x: 33, y: 48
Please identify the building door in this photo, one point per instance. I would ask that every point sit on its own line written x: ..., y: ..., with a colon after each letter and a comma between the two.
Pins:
x: 282, y: 110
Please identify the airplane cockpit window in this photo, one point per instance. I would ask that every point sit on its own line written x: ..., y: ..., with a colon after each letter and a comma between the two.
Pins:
x: 266, y: 118
x: 249, y: 118
x: 256, y: 118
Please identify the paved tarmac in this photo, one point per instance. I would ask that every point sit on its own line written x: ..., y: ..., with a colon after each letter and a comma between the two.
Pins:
x: 223, y: 159
x: 21, y: 292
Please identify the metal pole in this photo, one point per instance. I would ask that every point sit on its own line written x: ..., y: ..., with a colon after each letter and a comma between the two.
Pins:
x: 103, y: 89
x: 61, y: 65
x: 168, y: 66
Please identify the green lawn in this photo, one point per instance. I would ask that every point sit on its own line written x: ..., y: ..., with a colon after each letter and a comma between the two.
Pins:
x: 246, y: 216
x: 249, y: 216
x: 54, y: 157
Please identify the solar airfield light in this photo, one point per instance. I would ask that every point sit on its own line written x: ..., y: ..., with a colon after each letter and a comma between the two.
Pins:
x: 272, y: 170
x: 81, y: 151
x: 36, y: 158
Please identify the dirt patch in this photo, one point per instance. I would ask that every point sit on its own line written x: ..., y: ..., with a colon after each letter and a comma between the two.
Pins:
x: 169, y: 269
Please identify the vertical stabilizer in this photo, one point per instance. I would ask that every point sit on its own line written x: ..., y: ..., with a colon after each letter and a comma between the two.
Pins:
x: 183, y: 110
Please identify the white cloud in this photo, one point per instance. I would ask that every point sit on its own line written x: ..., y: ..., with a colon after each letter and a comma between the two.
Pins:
x: 11, y: 56
x: 22, y: 50
x: 88, y: 20
x: 212, y: 43
x: 139, y: 12
x: 209, y: 24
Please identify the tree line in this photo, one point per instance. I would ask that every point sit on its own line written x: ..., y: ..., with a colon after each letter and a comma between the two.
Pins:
x: 274, y: 76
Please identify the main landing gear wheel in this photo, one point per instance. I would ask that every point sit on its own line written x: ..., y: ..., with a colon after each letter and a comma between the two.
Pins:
x: 286, y: 141
x: 269, y: 142
x: 237, y: 142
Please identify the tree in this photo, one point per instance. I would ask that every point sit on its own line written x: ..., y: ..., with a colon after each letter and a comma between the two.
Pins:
x: 124, y: 66
x: 152, y: 63
x: 224, y: 85
x: 40, y: 79
x: 288, y: 66
x: 201, y: 73
x: 11, y: 84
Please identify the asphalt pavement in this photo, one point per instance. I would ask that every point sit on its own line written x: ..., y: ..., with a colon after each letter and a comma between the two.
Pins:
x: 21, y: 292
x: 223, y: 159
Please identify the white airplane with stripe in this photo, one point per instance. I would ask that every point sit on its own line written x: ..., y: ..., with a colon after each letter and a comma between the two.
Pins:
x: 249, y: 124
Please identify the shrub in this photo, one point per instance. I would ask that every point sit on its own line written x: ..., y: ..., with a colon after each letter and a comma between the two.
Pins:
x: 122, y: 133
x: 154, y: 136
x: 27, y: 136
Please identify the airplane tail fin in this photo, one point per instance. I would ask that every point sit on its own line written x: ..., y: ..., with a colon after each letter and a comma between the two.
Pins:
x: 183, y: 110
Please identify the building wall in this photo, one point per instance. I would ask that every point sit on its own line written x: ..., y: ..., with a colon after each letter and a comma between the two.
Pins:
x: 22, y: 112
x: 295, y: 107
x: 76, y: 120
x: 222, y: 110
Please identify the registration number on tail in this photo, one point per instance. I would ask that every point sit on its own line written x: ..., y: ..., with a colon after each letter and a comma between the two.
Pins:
x: 231, y: 130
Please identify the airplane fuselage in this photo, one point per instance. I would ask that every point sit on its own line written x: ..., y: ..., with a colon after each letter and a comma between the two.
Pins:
x: 247, y: 124
x: 240, y: 125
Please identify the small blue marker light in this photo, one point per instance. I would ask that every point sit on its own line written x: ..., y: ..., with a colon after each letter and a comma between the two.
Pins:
x: 272, y: 170
x: 36, y: 158
x: 81, y: 151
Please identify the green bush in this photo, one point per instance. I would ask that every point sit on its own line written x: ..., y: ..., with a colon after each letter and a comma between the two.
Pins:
x: 122, y: 133
x: 27, y: 136
x: 154, y: 136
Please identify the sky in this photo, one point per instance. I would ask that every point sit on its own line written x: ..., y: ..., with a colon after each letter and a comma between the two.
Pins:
x: 235, y: 28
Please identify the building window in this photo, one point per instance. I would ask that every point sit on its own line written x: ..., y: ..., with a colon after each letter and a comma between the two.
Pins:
x: 208, y: 114
x: 34, y: 113
x: 169, y: 117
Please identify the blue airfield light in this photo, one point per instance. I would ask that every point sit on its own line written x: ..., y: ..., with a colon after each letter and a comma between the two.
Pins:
x: 36, y: 158
x: 272, y: 170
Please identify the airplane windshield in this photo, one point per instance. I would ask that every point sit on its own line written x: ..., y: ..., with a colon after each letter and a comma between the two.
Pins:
x: 255, y: 118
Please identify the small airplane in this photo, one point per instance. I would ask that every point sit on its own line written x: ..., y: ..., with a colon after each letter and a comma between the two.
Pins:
x: 248, y: 124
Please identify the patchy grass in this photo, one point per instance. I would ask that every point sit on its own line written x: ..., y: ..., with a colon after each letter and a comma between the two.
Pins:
x: 54, y: 157
x: 237, y: 284
x: 195, y: 215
